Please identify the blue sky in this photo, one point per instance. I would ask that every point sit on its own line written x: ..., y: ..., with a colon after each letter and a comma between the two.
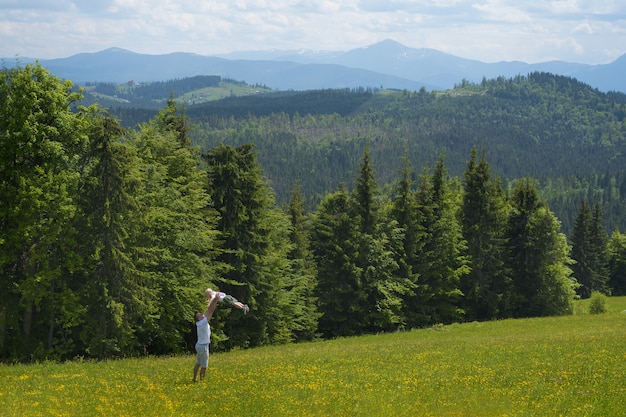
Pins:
x: 584, y: 31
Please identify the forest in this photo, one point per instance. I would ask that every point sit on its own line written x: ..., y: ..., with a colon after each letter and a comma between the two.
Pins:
x: 110, y: 230
x: 565, y: 134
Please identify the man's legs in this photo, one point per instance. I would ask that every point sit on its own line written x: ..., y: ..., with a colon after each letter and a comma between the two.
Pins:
x: 202, y: 361
x: 195, y: 372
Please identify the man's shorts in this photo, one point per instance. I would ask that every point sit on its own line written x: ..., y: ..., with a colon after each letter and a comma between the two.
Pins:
x: 202, y: 355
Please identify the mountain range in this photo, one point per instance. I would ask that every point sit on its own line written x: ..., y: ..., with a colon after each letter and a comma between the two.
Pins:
x: 387, y: 64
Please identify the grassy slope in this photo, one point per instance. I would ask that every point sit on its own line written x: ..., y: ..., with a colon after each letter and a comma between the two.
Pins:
x: 570, y: 366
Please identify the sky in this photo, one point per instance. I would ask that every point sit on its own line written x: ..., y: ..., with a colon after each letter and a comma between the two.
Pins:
x: 581, y: 31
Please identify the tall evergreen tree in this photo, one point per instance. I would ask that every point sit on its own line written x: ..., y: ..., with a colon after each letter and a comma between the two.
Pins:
x: 582, y: 249
x: 405, y: 212
x: 483, y: 218
x: 378, y: 240
x: 304, y: 269
x: 600, y: 240
x: 442, y: 262
x: 366, y: 195
x: 589, y: 250
x: 538, y: 256
x: 112, y: 289
x: 246, y: 215
x: 617, y: 263
x: 334, y: 241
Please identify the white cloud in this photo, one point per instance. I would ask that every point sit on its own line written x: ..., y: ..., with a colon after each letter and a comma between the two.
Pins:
x: 488, y: 30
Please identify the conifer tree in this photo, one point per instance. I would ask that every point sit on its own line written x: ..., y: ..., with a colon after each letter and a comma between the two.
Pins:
x: 582, y: 250
x: 113, y: 289
x: 589, y: 250
x: 304, y: 280
x: 248, y: 221
x: 334, y: 241
x: 378, y: 241
x: 617, y: 263
x: 538, y: 256
x: 600, y: 240
x: 442, y: 262
x: 405, y: 212
x: 483, y: 218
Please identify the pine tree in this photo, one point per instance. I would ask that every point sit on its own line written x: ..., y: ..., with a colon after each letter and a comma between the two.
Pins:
x: 407, y: 216
x: 442, y: 263
x: 304, y: 281
x: 589, y: 250
x: 334, y: 241
x: 378, y: 241
x: 365, y: 195
x: 483, y: 218
x: 248, y: 221
x: 112, y: 282
x: 600, y: 240
x: 178, y: 240
x: 617, y: 263
x: 538, y: 257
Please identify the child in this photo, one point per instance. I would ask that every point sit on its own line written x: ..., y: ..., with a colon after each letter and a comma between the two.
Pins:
x: 228, y: 299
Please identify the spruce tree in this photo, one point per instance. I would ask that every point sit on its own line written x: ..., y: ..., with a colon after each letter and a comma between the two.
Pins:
x: 378, y: 240
x: 617, y: 263
x: 113, y: 287
x: 334, y: 241
x: 406, y: 214
x: 538, y: 257
x: 483, y: 218
x: 304, y: 281
x: 583, y: 250
x: 599, y: 241
x: 177, y: 241
x: 442, y: 262
x: 252, y: 273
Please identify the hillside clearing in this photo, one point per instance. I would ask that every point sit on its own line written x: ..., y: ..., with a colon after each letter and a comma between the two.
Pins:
x: 544, y: 366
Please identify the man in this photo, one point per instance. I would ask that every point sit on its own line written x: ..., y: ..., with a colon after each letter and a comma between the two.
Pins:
x: 204, y: 337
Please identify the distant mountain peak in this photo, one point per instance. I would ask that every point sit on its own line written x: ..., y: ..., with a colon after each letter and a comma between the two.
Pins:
x: 116, y: 50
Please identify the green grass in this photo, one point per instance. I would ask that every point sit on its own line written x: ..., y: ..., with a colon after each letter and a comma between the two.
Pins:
x: 561, y: 366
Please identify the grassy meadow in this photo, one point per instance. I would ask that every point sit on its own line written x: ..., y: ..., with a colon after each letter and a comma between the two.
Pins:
x: 560, y: 366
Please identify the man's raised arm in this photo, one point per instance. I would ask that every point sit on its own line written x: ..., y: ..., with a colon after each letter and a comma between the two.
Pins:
x: 211, y: 305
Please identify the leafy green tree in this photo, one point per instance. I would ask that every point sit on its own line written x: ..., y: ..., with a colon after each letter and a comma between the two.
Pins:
x: 178, y: 239
x: 538, y: 257
x: 483, y: 218
x: 41, y: 140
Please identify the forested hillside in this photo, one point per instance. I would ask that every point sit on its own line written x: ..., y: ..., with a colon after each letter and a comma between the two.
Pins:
x: 109, y: 235
x: 568, y: 136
